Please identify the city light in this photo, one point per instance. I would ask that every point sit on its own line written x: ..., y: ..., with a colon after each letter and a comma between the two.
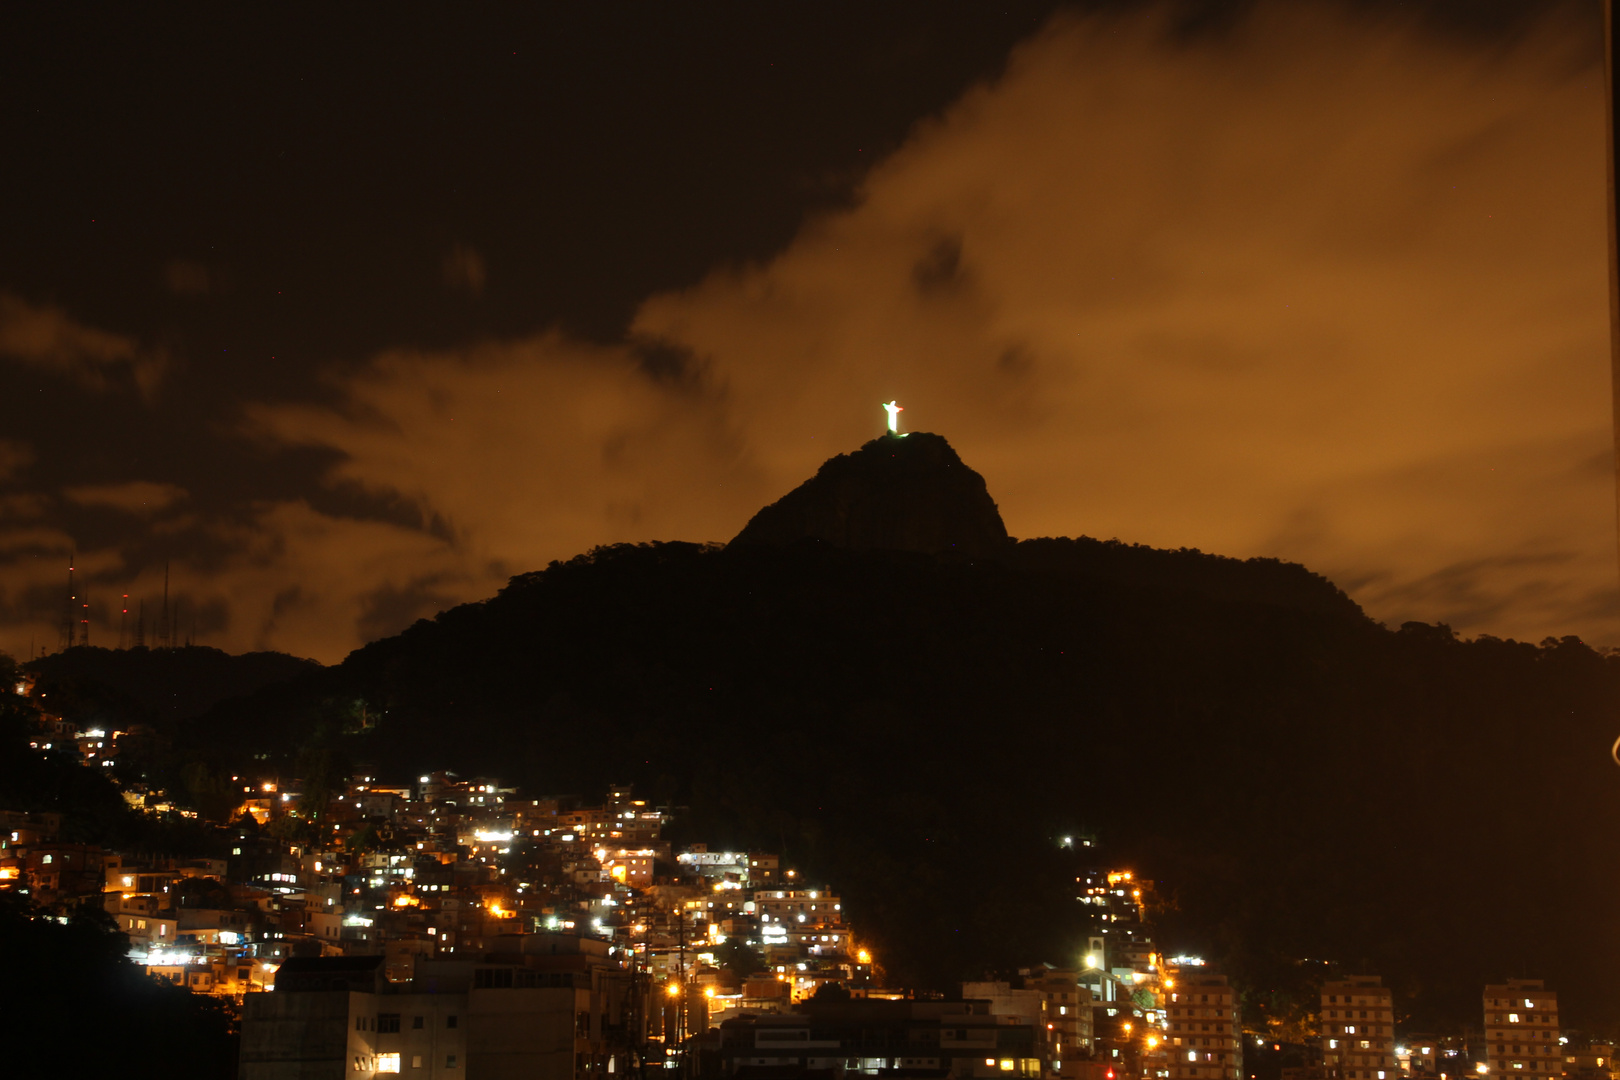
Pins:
x: 673, y: 989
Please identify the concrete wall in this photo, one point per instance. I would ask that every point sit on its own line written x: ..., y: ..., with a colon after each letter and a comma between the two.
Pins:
x: 527, y: 1033
x: 304, y: 1036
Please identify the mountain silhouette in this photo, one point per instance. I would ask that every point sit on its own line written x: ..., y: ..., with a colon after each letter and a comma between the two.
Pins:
x: 899, y: 493
x: 918, y: 728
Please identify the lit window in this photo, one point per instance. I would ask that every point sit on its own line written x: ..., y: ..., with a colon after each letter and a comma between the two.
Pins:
x: 388, y: 1063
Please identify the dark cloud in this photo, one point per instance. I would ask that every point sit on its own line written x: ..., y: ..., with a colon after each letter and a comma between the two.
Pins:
x: 464, y: 270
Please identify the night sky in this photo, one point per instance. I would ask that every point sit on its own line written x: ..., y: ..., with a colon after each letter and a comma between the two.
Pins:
x: 348, y: 317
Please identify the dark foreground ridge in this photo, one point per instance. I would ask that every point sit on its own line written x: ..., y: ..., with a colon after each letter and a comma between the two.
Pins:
x: 171, y: 684
x: 897, y: 493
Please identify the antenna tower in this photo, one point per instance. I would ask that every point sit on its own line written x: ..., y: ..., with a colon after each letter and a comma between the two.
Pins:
x: 165, y: 634
x: 68, y: 612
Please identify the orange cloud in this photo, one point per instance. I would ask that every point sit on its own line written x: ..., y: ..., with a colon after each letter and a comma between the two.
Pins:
x: 1323, y: 288
x: 47, y: 337
x: 142, y: 497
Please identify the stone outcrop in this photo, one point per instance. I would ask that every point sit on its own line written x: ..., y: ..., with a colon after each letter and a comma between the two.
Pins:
x: 904, y: 493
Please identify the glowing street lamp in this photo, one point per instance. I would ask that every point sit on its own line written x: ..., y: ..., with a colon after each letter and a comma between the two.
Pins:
x: 894, y: 411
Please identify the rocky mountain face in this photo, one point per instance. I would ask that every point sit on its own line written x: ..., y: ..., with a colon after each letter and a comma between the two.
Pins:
x: 898, y: 492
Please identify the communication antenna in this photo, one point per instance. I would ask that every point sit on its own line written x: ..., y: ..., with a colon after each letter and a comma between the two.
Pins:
x: 68, y: 607
x: 140, y: 625
x: 165, y: 631
x: 123, y: 624
x: 1610, y: 113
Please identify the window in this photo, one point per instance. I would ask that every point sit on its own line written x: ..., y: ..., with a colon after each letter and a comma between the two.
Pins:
x: 416, y: 1061
x: 416, y: 1024
x: 450, y: 1060
x: 388, y: 1023
x: 450, y: 1021
x: 388, y: 1063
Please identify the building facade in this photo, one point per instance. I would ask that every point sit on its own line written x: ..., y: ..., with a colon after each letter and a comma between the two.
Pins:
x: 1521, y: 1029
x: 960, y: 1040
x: 1358, y: 1030
x: 1201, y: 1026
x: 534, y: 1014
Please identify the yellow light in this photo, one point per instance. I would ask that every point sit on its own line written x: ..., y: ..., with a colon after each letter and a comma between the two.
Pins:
x: 708, y: 991
x: 1169, y: 983
x: 1153, y: 1040
x: 404, y: 901
x: 864, y: 957
x: 1127, y: 1027
x: 673, y: 989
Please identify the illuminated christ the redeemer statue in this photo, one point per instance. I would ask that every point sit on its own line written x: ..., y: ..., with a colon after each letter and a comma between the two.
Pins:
x: 894, y: 417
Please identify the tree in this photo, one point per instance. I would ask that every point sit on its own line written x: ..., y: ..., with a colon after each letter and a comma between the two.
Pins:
x: 739, y: 959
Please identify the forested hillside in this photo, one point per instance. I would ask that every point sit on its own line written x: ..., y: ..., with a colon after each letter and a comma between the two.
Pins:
x: 1303, y: 782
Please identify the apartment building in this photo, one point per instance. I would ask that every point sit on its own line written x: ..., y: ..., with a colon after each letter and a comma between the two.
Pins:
x: 1521, y: 1030
x: 1358, y: 1030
